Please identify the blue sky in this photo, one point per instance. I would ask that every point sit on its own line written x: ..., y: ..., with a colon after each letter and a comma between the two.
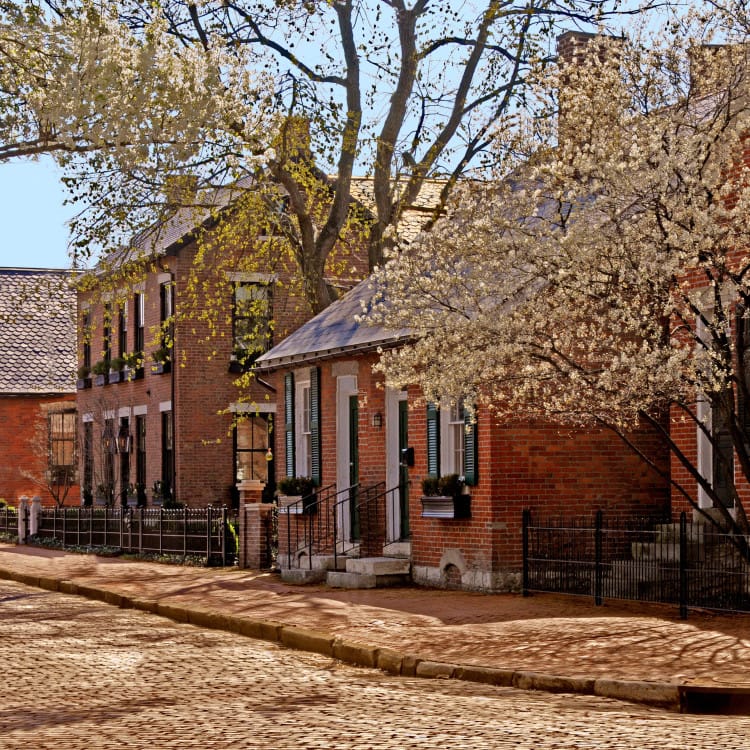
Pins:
x: 32, y: 216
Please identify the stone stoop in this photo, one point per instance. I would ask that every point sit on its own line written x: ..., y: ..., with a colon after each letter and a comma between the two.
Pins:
x: 371, y: 573
x: 301, y: 572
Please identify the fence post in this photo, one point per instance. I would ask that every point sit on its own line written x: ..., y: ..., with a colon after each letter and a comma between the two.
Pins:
x: 141, y: 513
x: 598, y: 558
x: 683, y: 567
x: 36, y: 512
x: 525, y: 522
x: 23, y: 520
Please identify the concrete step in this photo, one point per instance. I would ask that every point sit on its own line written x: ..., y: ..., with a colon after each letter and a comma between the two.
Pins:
x: 318, y: 562
x: 340, y: 580
x: 302, y: 575
x: 378, y: 566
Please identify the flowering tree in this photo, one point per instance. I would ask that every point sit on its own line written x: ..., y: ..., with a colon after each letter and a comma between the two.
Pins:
x: 136, y: 98
x: 604, y: 281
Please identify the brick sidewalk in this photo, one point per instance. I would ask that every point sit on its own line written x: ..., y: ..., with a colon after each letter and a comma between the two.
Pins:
x: 544, y: 634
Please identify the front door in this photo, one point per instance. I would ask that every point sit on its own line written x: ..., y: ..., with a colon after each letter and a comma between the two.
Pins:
x: 353, y: 464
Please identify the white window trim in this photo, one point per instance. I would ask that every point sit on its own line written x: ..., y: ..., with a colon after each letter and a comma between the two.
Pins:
x: 301, y: 439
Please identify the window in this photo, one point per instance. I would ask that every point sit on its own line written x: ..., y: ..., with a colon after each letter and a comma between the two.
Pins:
x: 107, y: 334
x: 167, y: 451
x: 140, y: 451
x: 251, y: 446
x: 124, y: 460
x: 139, y: 311
x: 62, y: 446
x: 304, y: 435
x: 109, y: 447
x: 452, y: 442
x: 86, y: 336
x: 166, y: 313
x: 88, y: 456
x: 251, y: 324
x: 122, y: 329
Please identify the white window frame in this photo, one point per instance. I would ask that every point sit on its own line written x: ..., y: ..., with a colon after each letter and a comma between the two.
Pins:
x: 452, y: 439
x: 302, y: 434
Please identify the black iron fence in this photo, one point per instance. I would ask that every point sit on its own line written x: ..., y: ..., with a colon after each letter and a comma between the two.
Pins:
x: 650, y: 560
x: 8, y: 520
x: 209, y: 533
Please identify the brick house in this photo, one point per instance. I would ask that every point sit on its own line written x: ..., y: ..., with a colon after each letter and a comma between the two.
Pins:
x: 370, y: 444
x: 37, y: 386
x: 167, y: 409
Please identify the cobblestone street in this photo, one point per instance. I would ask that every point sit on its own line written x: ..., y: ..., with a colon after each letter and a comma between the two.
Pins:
x: 82, y: 674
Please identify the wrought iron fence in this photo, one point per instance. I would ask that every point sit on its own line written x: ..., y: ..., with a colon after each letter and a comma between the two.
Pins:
x: 208, y: 533
x: 8, y: 520
x: 649, y: 560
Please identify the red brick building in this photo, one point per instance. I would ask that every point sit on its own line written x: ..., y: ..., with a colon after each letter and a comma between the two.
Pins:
x: 348, y: 432
x: 166, y: 340
x: 37, y: 386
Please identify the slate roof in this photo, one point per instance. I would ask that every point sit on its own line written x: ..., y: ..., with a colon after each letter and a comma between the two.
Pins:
x: 37, y: 331
x: 332, y: 332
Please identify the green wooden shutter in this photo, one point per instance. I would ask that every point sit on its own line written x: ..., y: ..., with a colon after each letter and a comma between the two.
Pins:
x: 315, y: 453
x: 433, y: 440
x: 289, y: 423
x: 471, y: 463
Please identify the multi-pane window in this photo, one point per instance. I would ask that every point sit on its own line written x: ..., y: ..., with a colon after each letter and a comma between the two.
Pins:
x: 107, y: 334
x: 109, y: 447
x: 251, y: 320
x: 306, y: 433
x: 167, y: 450
x: 456, y: 440
x: 139, y: 313
x: 88, y: 456
x: 62, y: 446
x: 166, y: 312
x: 122, y: 329
x: 86, y: 335
x: 140, y: 451
x: 252, y: 443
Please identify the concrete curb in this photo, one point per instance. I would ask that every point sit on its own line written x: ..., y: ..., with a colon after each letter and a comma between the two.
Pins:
x: 654, y: 693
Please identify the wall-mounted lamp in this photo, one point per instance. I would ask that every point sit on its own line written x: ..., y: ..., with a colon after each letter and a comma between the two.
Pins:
x: 108, y: 439
x: 123, y: 439
x: 377, y: 420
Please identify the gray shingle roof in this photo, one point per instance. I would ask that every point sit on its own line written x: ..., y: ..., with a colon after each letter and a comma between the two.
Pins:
x: 37, y: 331
x: 332, y: 332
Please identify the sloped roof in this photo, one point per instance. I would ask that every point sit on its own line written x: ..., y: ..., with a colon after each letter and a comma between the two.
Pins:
x: 37, y: 331
x: 332, y: 332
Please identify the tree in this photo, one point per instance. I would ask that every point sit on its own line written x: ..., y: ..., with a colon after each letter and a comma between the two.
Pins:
x: 131, y: 97
x: 605, y: 281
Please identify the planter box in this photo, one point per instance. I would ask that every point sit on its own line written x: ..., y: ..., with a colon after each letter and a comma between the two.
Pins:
x: 446, y: 507
x: 83, y: 383
x: 132, y: 373
x: 100, y: 380
x: 292, y: 502
x: 115, y: 376
x: 159, y: 368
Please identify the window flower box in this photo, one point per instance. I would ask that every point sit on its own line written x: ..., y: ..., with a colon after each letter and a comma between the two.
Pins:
x: 443, y: 506
x: 162, y: 362
x: 297, y: 495
x: 83, y: 383
x: 445, y: 498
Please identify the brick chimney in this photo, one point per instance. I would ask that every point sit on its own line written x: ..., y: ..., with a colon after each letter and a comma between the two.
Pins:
x: 575, y: 50
x: 716, y: 67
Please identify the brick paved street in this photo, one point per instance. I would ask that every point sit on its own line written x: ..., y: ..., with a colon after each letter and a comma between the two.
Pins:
x: 82, y: 674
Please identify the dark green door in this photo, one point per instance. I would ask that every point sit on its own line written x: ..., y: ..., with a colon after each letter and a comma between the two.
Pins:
x: 403, y: 468
x: 353, y: 464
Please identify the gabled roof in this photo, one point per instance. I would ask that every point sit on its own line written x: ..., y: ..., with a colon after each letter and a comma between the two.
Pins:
x: 37, y: 331
x: 333, y: 332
